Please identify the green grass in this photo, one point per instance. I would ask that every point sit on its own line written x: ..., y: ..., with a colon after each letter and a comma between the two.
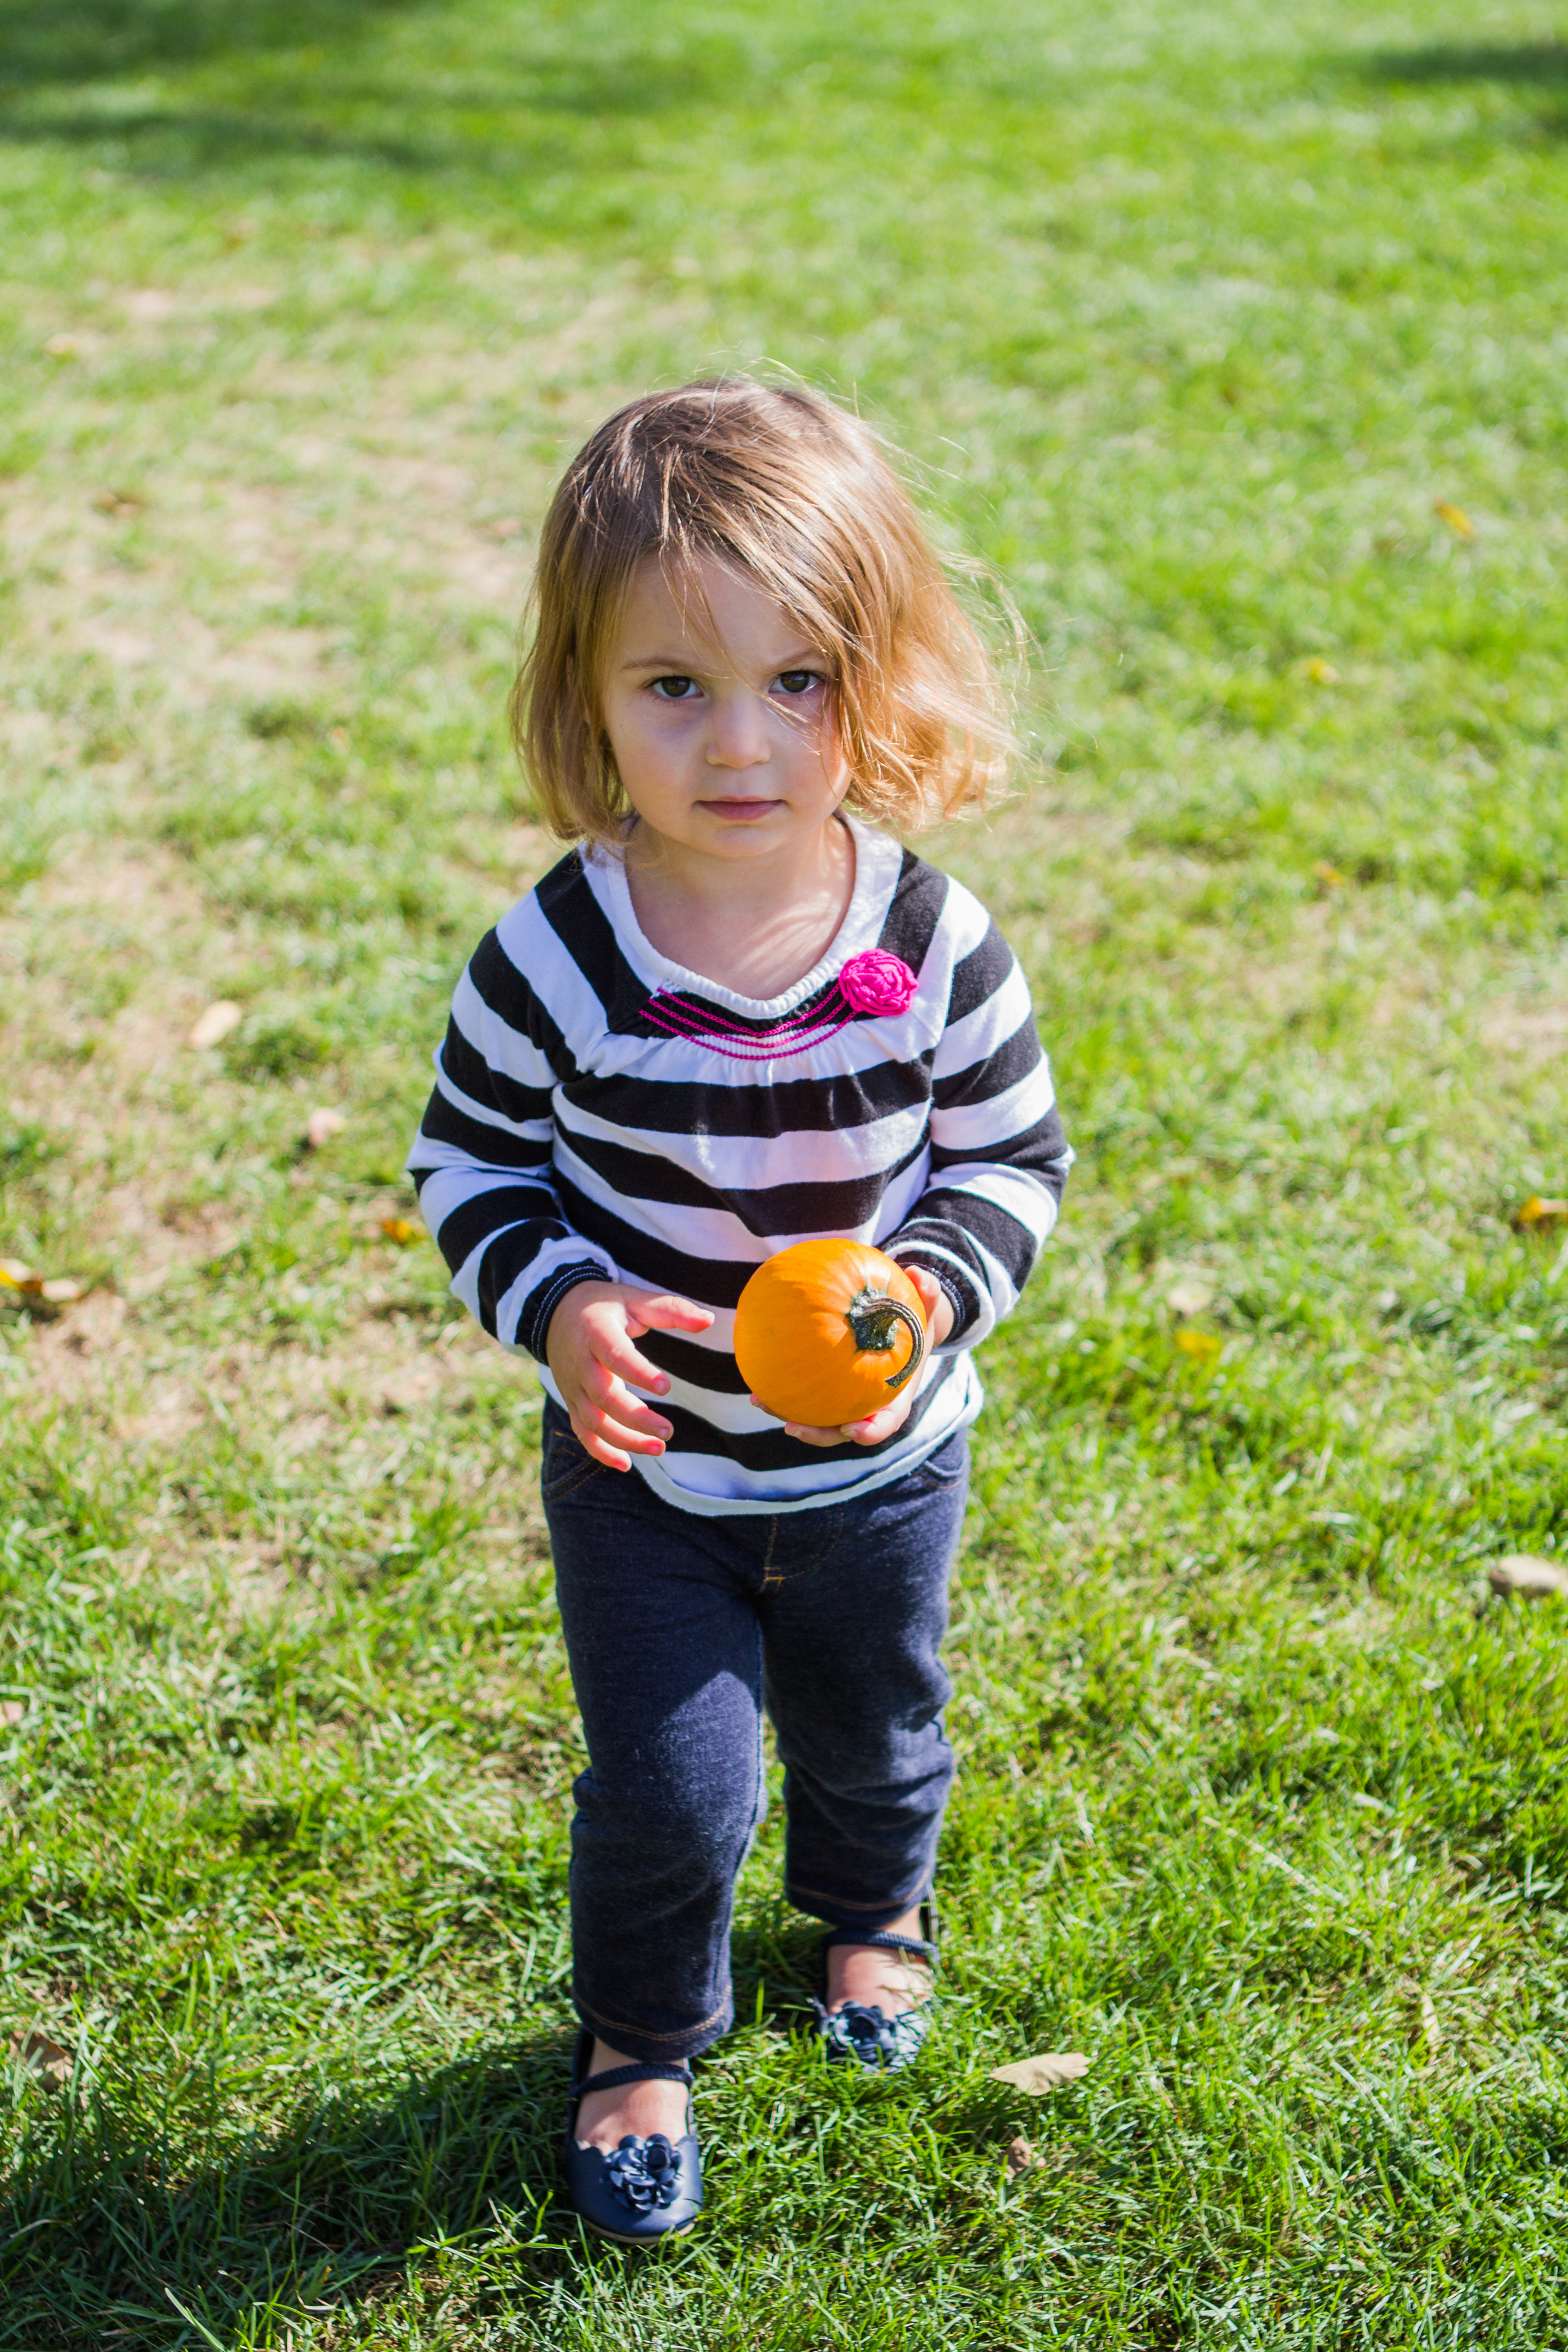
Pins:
x: 1189, y: 317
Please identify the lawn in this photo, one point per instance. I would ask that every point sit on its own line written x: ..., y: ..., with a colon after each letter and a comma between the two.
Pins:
x: 1231, y: 340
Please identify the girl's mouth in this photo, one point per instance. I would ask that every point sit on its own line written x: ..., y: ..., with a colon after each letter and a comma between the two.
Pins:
x: 742, y: 812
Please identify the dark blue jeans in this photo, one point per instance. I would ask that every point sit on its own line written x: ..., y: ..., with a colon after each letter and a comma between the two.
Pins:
x: 680, y: 1631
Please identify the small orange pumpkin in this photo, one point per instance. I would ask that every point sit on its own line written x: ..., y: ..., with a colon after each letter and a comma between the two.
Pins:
x: 829, y: 1331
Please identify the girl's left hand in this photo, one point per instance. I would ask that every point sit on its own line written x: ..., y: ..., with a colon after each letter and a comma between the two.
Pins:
x: 881, y: 1426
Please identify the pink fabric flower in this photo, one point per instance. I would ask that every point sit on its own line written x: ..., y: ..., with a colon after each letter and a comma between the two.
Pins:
x: 876, y: 982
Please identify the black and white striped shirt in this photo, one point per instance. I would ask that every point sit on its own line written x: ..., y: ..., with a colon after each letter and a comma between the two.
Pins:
x: 572, y: 1138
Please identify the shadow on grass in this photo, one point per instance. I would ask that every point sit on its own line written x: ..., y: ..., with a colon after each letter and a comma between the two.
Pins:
x: 1535, y: 72
x: 189, y: 141
x: 296, y: 84
x: 108, y: 2237
x: 52, y: 41
x: 169, y: 142
x: 1542, y: 63
x: 299, y: 50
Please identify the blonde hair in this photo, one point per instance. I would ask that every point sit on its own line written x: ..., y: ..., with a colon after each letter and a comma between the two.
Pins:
x: 790, y: 489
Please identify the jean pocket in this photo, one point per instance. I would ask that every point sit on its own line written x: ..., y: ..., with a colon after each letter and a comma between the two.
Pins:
x: 782, y: 1567
x: 567, y: 1465
x: 942, y: 1471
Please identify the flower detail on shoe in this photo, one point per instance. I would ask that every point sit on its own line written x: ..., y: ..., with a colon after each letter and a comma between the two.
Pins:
x: 859, y: 2031
x: 874, y: 982
x: 645, y: 2173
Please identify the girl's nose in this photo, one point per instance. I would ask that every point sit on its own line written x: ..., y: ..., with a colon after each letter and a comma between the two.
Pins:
x: 738, y: 735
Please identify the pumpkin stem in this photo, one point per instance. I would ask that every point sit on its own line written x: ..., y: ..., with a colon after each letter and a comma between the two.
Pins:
x: 874, y: 1318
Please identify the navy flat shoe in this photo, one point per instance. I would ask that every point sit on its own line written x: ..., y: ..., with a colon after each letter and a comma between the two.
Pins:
x: 859, y: 2033
x: 645, y: 2189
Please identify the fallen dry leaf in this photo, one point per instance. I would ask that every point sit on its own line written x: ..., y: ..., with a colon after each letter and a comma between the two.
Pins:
x: 399, y: 1230
x: 1520, y: 1571
x: 37, y: 2054
x: 59, y: 1290
x: 118, y: 502
x: 1047, y: 2071
x: 1322, y: 673
x: 216, y: 1024
x: 1536, y: 1215
x: 322, y: 1124
x: 1020, y: 2156
x: 1330, y: 876
x: 12, y: 1710
x: 1202, y: 1345
x: 1190, y: 1297
x: 1454, y: 516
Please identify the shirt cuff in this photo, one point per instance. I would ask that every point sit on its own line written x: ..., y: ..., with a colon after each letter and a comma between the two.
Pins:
x: 533, y: 1323
x: 966, y: 1306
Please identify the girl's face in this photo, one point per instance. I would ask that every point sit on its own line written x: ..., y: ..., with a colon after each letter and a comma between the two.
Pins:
x: 719, y: 714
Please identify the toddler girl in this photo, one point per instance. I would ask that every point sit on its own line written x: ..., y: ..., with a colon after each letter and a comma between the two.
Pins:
x: 738, y: 1013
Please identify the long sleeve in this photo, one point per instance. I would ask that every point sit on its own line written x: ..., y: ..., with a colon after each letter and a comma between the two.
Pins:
x: 999, y: 1159
x: 482, y: 1159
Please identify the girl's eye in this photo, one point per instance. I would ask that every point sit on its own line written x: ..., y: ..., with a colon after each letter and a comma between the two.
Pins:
x: 798, y: 681
x: 675, y: 690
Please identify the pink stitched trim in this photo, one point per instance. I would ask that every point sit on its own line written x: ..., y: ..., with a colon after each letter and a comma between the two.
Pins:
x: 870, y: 982
x: 795, y: 1035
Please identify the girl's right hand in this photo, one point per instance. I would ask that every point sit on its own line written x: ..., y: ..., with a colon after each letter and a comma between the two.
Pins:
x: 589, y: 1351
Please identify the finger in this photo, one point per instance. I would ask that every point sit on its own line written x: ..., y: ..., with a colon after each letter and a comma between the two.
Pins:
x: 601, y: 1386
x: 594, y: 1445
x: 614, y: 1354
x: 667, y: 1313
x: 628, y: 1420
x: 877, y: 1426
x: 934, y: 1300
x: 622, y: 1421
x: 807, y: 1435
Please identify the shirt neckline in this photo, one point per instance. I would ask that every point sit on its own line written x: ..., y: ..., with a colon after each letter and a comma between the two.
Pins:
x: 876, y: 865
